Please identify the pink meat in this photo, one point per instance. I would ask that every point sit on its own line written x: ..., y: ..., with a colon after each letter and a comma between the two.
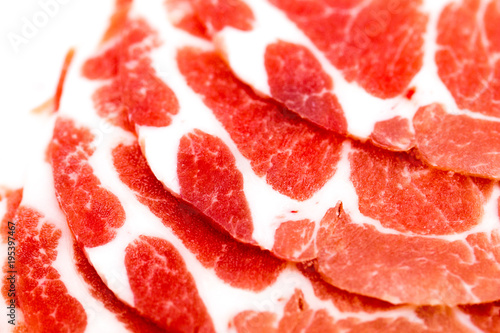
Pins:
x: 426, y: 270
x: 458, y: 142
x: 405, y: 195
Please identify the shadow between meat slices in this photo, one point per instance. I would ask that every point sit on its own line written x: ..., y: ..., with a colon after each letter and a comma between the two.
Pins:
x: 365, y: 68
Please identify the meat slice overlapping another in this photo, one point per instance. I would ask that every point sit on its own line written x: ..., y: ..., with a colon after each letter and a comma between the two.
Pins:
x: 272, y: 179
x: 56, y: 288
x: 170, y: 258
x: 189, y: 188
x: 375, y: 70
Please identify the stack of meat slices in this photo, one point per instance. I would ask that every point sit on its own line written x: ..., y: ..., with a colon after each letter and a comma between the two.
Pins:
x: 270, y: 166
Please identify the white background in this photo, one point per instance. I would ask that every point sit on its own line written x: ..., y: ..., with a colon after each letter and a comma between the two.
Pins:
x: 29, y: 72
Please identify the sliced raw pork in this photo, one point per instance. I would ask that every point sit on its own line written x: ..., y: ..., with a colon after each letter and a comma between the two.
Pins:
x: 57, y: 289
x: 272, y: 179
x: 366, y: 67
x: 166, y: 248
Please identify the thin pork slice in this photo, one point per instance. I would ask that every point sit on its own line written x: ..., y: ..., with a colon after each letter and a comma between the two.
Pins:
x: 349, y: 312
x: 174, y: 267
x: 284, y: 156
x: 270, y: 178
x: 375, y: 70
x: 169, y: 257
x: 57, y: 289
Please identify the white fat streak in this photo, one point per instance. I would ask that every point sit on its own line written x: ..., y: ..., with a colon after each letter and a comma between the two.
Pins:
x: 39, y: 194
x: 108, y: 259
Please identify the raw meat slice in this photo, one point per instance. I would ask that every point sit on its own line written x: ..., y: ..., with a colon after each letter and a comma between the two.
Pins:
x: 377, y: 44
x: 405, y: 195
x: 39, y: 282
x: 241, y: 265
x: 57, y: 289
x: 227, y: 306
x: 280, y: 153
x: 405, y: 268
x: 173, y: 300
x: 365, y: 68
x: 298, y: 315
x: 210, y: 151
x: 93, y: 213
x: 445, y: 141
x: 384, y: 200
x: 212, y: 257
x: 281, y: 145
x: 136, y: 252
x: 238, y: 264
x: 367, y: 54
x: 467, y: 58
